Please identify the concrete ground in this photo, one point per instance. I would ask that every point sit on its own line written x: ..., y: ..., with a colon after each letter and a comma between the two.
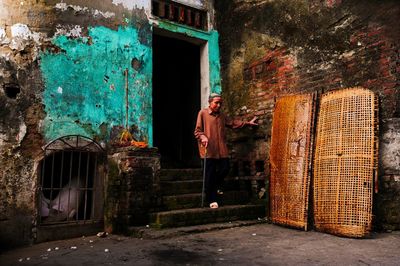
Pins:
x: 259, y: 244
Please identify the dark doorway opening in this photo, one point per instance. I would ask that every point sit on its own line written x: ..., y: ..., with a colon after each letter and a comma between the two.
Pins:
x: 176, y: 100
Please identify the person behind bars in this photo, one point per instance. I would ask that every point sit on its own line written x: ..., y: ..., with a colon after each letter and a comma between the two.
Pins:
x: 210, y: 133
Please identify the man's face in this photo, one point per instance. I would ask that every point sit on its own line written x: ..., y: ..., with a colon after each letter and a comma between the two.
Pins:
x: 215, y: 104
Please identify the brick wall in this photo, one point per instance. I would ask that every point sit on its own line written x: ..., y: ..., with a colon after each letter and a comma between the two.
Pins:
x: 290, y: 47
x: 132, y: 188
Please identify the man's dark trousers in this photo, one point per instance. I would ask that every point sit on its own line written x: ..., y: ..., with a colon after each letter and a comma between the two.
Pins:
x: 216, y: 171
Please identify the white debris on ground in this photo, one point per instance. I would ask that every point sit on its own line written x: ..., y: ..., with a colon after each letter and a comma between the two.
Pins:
x: 102, y: 234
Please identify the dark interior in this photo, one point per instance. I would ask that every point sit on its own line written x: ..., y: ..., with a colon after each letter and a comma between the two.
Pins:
x: 176, y: 101
x: 60, y: 167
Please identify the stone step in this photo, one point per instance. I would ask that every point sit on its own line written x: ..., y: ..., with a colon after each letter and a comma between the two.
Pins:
x: 155, y: 233
x: 187, y: 201
x: 181, y: 174
x: 196, y: 216
x: 196, y: 186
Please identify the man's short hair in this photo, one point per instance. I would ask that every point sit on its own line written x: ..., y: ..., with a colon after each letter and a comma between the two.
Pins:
x: 212, y: 96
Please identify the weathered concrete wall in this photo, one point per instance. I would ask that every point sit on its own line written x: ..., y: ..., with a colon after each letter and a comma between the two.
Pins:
x: 277, y: 47
x: 62, y: 72
x: 63, y: 68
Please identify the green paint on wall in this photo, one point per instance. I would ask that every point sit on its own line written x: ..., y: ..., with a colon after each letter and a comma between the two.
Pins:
x: 215, y: 67
x: 85, y: 83
x: 213, y: 49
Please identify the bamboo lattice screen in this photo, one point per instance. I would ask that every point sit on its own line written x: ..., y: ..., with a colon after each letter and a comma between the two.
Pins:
x: 345, y: 162
x: 290, y: 159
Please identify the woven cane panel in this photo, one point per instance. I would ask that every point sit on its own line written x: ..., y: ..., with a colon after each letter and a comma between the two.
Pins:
x: 289, y: 158
x: 345, y: 162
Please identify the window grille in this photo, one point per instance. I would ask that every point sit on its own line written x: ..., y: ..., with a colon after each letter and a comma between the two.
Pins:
x: 179, y: 13
x: 70, y: 181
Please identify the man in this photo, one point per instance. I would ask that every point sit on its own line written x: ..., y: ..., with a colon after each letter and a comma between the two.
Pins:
x: 210, y: 133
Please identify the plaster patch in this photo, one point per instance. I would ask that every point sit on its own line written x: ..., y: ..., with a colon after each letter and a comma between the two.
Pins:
x: 20, y: 34
x: 2, y: 34
x: 64, y: 7
x: 21, y: 133
x: 129, y: 4
x: 96, y: 13
x: 388, y: 148
x: 3, y: 139
x: 107, y: 14
x: 20, y: 31
x: 347, y: 55
x: 68, y: 30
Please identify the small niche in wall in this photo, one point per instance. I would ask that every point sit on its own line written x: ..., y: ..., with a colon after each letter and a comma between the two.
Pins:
x: 11, y: 90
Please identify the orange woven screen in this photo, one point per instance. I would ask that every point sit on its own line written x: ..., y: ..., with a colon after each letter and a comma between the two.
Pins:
x: 345, y: 161
x: 289, y: 158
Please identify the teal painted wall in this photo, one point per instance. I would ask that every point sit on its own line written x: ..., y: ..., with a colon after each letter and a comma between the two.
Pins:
x: 85, y: 83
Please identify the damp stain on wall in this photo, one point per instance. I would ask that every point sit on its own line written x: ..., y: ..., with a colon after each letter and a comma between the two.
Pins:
x: 85, y: 83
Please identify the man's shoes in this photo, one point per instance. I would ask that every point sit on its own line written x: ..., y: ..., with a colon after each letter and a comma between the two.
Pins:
x: 214, y: 205
x: 220, y: 192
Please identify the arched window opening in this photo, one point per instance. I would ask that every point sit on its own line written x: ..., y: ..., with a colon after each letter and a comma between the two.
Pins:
x: 70, y: 181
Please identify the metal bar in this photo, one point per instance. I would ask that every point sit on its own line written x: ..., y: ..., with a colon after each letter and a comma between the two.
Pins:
x: 86, y: 185
x: 79, y: 186
x: 69, y: 148
x: 41, y: 195
x: 52, y: 178
x: 95, y: 178
x: 69, y: 182
x: 61, y: 176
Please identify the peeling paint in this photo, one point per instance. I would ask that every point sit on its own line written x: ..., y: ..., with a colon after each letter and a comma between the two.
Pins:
x: 86, y: 72
x: 20, y: 30
x: 21, y: 34
x: 106, y: 14
x: 3, y: 35
x: 21, y: 133
x: 389, y: 147
x: 194, y: 3
x: 68, y: 30
x: 64, y: 7
x: 132, y: 4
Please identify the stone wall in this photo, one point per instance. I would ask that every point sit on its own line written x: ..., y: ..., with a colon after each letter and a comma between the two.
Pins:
x: 273, y: 48
x: 132, y: 188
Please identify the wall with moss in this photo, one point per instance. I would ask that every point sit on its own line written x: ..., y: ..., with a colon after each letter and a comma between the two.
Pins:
x: 64, y: 69
x: 279, y: 47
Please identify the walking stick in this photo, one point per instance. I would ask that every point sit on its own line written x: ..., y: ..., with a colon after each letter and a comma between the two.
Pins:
x: 204, y: 178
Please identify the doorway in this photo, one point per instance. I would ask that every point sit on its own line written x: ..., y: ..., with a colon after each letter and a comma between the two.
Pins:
x: 176, y: 100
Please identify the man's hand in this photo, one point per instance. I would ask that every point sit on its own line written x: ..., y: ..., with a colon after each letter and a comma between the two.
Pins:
x: 204, y: 140
x: 252, y: 122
